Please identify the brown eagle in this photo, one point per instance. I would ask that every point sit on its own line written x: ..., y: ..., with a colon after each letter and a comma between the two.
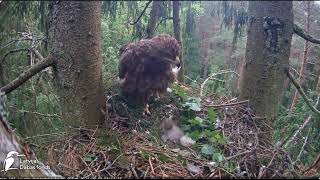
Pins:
x: 148, y: 67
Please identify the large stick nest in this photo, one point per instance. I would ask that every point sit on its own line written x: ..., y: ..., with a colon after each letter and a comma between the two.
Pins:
x: 129, y: 148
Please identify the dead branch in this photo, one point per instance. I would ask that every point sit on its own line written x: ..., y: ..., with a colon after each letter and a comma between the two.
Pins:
x: 294, y: 136
x: 302, y: 93
x: 230, y: 104
x: 302, y: 148
x: 210, y: 77
x: 144, y: 10
x: 13, y: 51
x: 300, y: 32
x: 23, y: 77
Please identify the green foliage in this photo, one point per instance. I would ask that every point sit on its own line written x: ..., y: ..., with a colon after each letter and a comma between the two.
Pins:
x: 207, y: 150
x: 193, y: 104
x: 201, y: 129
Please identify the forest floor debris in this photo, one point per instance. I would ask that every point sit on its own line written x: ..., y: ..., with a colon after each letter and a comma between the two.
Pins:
x: 132, y: 147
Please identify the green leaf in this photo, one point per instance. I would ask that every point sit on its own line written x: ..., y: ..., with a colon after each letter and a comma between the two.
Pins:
x: 212, y: 116
x: 200, y: 120
x: 163, y: 158
x: 194, y: 122
x: 207, y: 149
x: 217, y: 157
x: 216, y: 137
x: 195, y: 135
x: 193, y: 106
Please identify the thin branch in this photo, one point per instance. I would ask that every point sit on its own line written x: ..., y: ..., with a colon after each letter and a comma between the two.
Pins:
x: 37, y: 113
x: 302, y: 148
x: 13, y: 51
x: 230, y: 104
x: 144, y: 10
x: 163, y: 19
x: 292, y: 139
x: 22, y: 39
x: 302, y: 93
x: 300, y: 32
x: 22, y: 78
x: 210, y: 77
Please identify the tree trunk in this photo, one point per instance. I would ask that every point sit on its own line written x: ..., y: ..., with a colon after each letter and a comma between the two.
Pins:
x: 267, y: 56
x: 177, y: 35
x: 240, y: 71
x: 75, y: 42
x: 154, y: 13
x: 304, y: 58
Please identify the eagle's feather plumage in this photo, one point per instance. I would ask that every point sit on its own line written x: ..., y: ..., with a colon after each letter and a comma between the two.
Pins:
x: 146, y: 68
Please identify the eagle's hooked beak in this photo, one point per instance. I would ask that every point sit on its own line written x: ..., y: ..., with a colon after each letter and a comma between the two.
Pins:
x: 178, y: 62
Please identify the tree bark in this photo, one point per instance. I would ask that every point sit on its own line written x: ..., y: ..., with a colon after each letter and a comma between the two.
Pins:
x: 240, y: 71
x: 304, y: 58
x: 154, y: 13
x: 75, y: 42
x: 267, y: 56
x: 177, y: 35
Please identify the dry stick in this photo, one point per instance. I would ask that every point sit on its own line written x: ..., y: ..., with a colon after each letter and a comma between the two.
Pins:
x: 230, y: 104
x: 33, y: 112
x: 23, y: 77
x: 36, y: 52
x: 144, y: 10
x: 210, y: 77
x: 300, y: 32
x: 236, y: 155
x: 299, y: 130
x: 302, y: 93
x: 302, y: 148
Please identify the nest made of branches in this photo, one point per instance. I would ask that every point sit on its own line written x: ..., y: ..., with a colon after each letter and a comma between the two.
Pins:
x: 127, y: 149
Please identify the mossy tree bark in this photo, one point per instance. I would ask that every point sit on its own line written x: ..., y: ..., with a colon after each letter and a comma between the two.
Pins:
x: 75, y: 42
x: 267, y: 55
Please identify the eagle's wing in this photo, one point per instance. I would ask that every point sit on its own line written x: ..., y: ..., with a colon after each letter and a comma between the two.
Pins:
x: 125, y: 54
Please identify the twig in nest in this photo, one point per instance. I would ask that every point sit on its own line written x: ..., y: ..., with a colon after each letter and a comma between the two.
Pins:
x: 234, y: 156
x: 152, y: 170
x: 133, y: 171
x: 230, y: 104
